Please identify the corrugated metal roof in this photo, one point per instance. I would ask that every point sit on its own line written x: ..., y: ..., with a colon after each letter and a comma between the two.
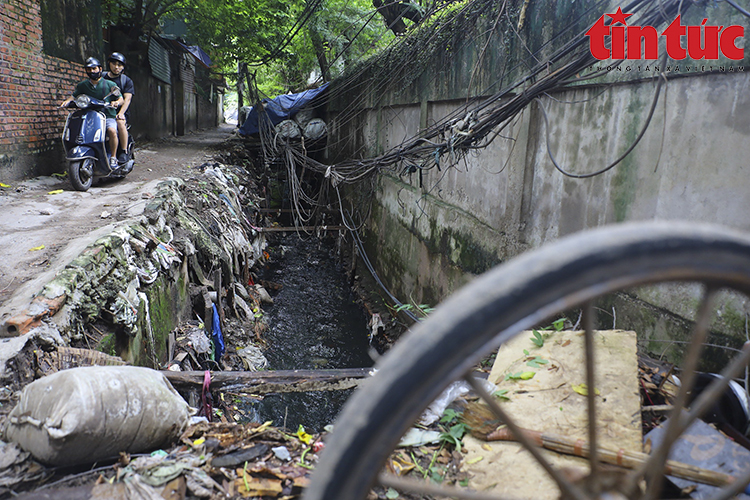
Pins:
x: 158, y: 57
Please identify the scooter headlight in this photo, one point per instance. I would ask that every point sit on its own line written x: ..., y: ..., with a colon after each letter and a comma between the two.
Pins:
x: 83, y: 101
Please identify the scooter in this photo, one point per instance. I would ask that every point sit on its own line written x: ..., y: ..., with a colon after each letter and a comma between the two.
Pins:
x: 84, y: 140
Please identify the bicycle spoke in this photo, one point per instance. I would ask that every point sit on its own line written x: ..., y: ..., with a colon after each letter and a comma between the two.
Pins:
x: 421, y: 487
x: 588, y: 325
x: 653, y: 468
x: 566, y: 487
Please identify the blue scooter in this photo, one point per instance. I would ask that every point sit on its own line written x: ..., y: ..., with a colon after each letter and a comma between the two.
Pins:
x: 84, y: 140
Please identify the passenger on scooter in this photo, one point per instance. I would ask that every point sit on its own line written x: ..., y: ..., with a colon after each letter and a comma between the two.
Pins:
x: 116, y: 74
x: 99, y: 88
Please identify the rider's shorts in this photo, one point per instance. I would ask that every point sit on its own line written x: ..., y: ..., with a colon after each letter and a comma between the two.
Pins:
x: 112, y: 123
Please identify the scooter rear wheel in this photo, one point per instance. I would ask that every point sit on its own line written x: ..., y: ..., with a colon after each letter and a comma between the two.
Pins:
x: 81, y: 174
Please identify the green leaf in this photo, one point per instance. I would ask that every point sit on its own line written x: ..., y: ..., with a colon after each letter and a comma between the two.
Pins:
x: 537, y: 339
x: 501, y: 394
x: 457, y: 431
x: 537, y: 362
x: 391, y: 494
x: 436, y: 476
x: 403, y: 307
x: 449, y: 415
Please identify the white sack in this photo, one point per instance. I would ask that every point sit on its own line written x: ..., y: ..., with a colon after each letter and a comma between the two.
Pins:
x: 86, y: 414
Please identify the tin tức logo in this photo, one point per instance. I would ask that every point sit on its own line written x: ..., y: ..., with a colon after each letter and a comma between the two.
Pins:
x: 642, y: 42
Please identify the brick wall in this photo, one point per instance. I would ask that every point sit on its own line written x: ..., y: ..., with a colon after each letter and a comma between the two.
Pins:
x: 32, y: 85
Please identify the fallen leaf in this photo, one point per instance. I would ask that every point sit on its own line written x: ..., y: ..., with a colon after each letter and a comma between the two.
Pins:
x: 527, y: 375
x: 583, y: 390
x: 474, y: 460
x: 304, y: 436
x: 4, y: 185
x: 401, y: 466
x: 40, y: 247
x: 486, y: 447
x: 56, y: 191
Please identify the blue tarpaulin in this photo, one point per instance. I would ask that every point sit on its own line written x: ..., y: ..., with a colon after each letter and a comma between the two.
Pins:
x: 198, y: 53
x: 279, y: 108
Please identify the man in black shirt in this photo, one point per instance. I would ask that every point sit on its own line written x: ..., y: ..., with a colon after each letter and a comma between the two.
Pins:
x: 115, y: 74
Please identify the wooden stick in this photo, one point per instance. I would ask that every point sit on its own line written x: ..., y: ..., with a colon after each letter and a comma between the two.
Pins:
x: 273, y: 380
x: 622, y: 458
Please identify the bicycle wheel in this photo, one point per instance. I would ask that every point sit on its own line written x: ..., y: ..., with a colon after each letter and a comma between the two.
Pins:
x: 516, y: 296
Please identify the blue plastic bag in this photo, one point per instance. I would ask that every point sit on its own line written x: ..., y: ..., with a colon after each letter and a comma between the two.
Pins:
x: 216, y: 336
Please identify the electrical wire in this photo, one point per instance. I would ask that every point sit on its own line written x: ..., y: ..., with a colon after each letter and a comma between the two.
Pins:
x: 736, y: 6
x: 468, y: 128
x: 661, y: 79
x: 368, y: 264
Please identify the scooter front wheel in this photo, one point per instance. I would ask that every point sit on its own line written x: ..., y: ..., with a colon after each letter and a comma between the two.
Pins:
x: 81, y: 174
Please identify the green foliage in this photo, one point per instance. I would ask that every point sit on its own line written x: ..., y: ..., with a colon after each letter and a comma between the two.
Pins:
x: 502, y: 394
x: 453, y: 431
x: 520, y: 376
x: 239, y: 31
x: 537, y: 338
x: 422, y: 309
x: 536, y: 362
x: 288, y: 44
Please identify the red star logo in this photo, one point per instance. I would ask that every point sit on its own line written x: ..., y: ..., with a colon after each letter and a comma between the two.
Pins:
x: 619, y: 17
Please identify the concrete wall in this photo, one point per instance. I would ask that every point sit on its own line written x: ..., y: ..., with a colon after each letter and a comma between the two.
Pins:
x: 507, y: 198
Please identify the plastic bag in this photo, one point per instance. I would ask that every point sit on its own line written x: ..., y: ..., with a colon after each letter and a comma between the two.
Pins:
x: 315, y: 129
x: 453, y: 391
x: 86, y: 414
x: 216, y: 336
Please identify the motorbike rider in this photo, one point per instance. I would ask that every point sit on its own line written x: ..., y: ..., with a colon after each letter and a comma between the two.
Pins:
x: 116, y: 74
x: 99, y: 88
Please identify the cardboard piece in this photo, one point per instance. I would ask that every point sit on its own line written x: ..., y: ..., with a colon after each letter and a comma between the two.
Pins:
x: 548, y: 402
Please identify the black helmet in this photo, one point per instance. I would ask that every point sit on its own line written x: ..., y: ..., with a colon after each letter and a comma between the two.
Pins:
x: 93, y: 62
x: 116, y: 56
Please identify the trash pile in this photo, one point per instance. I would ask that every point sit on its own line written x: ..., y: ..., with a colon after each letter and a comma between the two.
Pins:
x: 209, y: 460
x: 193, y: 249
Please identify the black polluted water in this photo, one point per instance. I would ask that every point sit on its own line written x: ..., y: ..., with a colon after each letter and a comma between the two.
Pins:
x: 314, y: 323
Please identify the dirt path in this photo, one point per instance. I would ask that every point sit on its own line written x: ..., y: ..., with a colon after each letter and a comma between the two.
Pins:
x: 42, y: 229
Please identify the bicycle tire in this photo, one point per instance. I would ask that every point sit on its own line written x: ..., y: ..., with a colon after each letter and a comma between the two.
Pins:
x: 506, y: 300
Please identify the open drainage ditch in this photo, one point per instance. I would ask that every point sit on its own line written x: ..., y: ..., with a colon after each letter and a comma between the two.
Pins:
x: 314, y: 323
